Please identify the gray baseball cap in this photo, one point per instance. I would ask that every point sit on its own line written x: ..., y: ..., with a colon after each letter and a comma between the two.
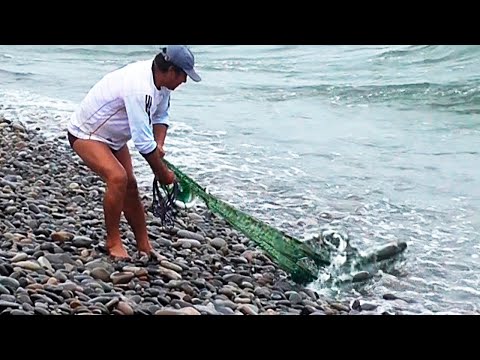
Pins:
x: 181, y: 56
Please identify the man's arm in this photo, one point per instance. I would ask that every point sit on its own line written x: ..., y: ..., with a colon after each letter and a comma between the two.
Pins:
x: 161, y: 121
x: 143, y: 138
x: 161, y: 171
x: 160, y: 132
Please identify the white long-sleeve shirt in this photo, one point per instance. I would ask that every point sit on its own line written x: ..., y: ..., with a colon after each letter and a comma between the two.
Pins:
x: 124, y: 105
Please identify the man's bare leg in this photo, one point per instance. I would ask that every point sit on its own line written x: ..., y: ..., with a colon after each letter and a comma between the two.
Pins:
x: 133, y: 208
x: 100, y: 159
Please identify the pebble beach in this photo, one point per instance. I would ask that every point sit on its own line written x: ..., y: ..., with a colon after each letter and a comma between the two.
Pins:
x: 53, y: 262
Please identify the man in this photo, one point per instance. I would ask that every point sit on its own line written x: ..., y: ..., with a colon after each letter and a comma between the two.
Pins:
x: 131, y: 103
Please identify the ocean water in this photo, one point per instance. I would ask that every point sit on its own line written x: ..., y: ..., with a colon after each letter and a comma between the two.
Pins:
x: 381, y: 141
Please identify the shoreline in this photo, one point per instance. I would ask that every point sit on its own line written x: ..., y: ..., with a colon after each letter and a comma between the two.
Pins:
x: 52, y: 259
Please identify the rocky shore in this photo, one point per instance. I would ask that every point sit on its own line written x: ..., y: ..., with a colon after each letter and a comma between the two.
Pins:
x: 52, y: 259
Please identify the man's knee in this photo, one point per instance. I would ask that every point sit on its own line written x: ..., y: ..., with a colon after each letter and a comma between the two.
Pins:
x: 118, y: 180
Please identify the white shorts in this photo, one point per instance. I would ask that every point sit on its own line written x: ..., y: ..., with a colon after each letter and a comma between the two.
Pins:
x: 80, y: 134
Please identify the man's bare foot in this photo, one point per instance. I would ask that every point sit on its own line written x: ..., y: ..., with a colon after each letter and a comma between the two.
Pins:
x: 115, y: 249
x: 145, y: 248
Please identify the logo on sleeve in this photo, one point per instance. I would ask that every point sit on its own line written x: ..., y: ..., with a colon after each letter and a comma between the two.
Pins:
x: 148, y: 107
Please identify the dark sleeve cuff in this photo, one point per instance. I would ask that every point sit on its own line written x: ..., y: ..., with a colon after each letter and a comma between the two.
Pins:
x: 150, y: 153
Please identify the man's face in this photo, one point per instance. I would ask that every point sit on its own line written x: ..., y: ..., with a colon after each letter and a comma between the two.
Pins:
x: 175, y: 79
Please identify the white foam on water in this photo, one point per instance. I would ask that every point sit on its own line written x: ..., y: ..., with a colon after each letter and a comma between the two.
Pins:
x: 49, y: 114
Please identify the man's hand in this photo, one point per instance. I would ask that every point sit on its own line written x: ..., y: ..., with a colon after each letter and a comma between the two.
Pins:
x: 162, y: 173
x: 165, y: 176
x: 166, y: 179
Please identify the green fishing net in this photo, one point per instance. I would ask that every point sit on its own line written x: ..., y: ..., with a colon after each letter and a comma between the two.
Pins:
x: 292, y: 255
x: 301, y: 259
